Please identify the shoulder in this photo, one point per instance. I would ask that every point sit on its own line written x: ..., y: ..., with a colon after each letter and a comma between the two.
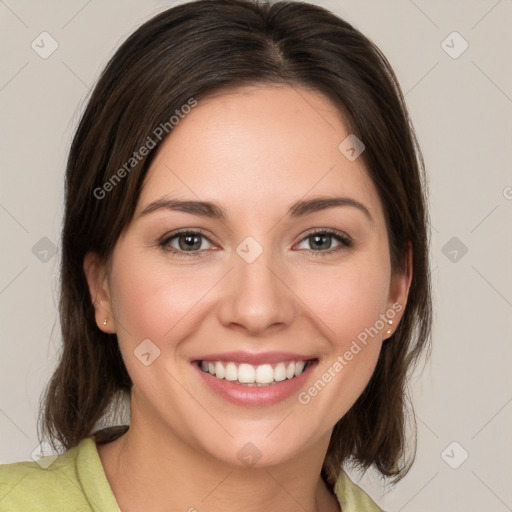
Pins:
x: 351, y: 497
x: 53, y: 483
x: 31, y: 485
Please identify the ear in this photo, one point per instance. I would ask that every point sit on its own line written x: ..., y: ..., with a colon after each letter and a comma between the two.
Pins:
x: 399, y: 289
x: 97, y: 279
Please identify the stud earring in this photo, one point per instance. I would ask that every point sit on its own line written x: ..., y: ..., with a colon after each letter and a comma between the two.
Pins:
x: 390, y: 322
x: 105, y: 321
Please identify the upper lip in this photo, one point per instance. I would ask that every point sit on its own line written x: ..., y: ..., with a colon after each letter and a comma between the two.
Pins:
x: 255, y: 359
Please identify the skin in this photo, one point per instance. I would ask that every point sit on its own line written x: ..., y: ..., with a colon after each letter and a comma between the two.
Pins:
x: 254, y: 151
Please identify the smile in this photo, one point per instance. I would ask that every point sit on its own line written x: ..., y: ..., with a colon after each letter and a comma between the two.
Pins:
x: 255, y: 380
x: 254, y: 375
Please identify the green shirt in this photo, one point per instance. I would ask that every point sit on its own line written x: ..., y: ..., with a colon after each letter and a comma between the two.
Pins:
x: 76, y: 482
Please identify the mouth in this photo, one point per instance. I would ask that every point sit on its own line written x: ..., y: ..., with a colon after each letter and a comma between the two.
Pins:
x: 251, y: 375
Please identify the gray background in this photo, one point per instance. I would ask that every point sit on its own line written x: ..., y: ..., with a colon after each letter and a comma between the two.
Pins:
x: 462, y: 110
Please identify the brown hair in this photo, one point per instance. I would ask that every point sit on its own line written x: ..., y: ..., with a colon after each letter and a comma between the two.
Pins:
x: 187, y: 52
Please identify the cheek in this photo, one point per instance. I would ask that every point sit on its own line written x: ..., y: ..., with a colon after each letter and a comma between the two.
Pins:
x: 347, y: 300
x: 150, y: 300
x: 348, y: 303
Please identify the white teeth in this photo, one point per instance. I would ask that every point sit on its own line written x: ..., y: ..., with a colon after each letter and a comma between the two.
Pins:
x: 262, y: 374
x: 231, y: 372
x: 219, y: 370
x: 299, y: 367
x: 280, y: 372
x: 246, y: 373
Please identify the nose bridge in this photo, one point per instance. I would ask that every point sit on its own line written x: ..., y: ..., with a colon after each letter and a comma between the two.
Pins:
x: 257, y: 296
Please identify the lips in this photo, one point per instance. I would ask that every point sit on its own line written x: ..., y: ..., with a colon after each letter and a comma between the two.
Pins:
x: 260, y: 379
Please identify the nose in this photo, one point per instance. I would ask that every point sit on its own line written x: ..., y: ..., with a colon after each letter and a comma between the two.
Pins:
x: 256, y: 296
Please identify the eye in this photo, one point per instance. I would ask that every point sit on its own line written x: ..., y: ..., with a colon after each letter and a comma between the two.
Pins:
x: 190, y: 243
x: 320, y: 241
x: 183, y: 242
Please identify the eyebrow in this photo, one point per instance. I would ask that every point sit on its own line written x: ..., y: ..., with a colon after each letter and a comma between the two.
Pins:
x: 214, y: 211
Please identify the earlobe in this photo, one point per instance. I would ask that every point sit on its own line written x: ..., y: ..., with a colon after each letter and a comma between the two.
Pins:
x: 399, y: 290
x: 96, y: 276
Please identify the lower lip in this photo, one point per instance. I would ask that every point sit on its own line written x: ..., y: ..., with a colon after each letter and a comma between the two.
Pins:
x: 254, y: 395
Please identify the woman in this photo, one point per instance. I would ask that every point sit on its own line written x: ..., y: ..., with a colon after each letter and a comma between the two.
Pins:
x: 244, y: 256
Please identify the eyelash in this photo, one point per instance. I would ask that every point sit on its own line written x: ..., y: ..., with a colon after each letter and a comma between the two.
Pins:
x: 345, y: 242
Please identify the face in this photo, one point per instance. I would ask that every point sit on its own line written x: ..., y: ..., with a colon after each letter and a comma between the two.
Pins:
x: 275, y: 286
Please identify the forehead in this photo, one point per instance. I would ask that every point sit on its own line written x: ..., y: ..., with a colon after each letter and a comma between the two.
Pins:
x: 259, y: 145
